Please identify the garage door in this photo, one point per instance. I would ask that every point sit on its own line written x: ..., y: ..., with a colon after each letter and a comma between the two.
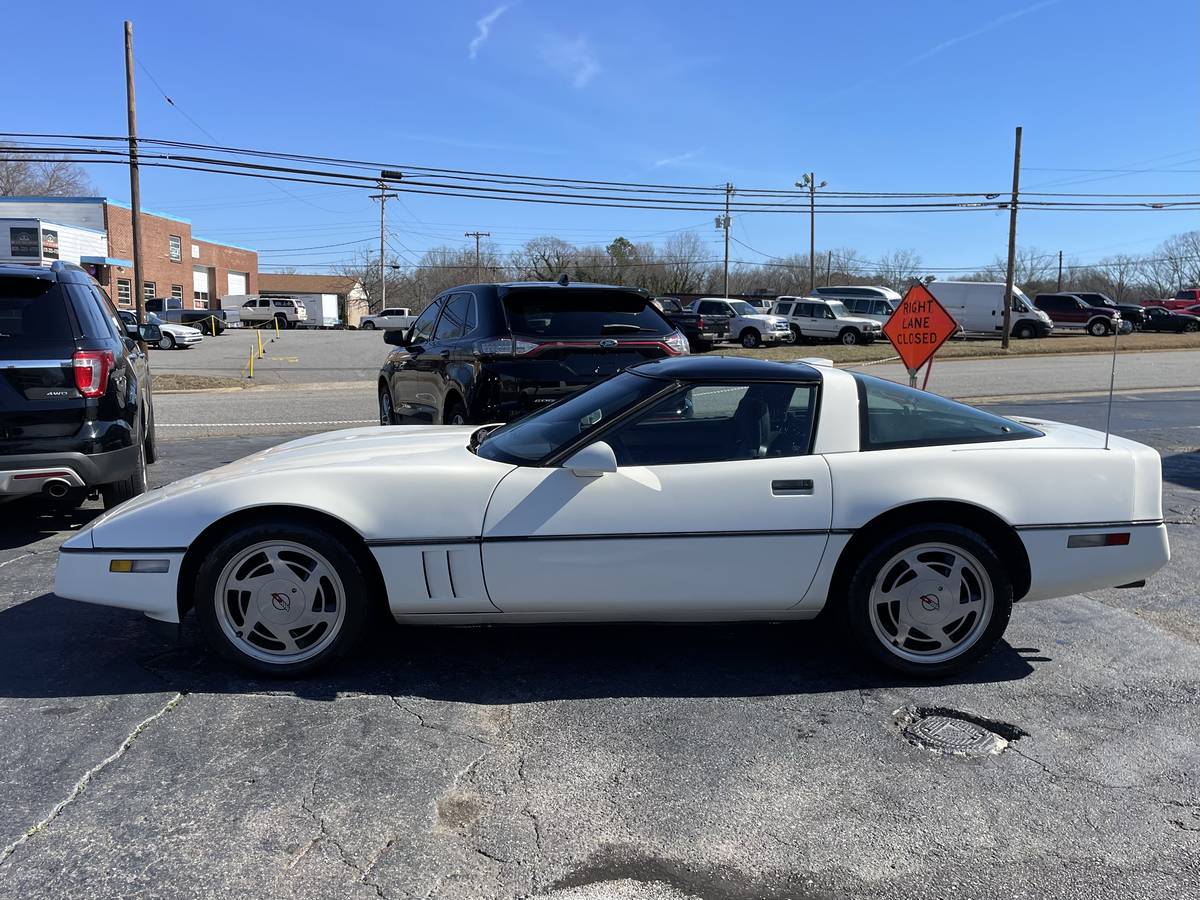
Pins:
x: 200, y: 287
x: 237, y: 282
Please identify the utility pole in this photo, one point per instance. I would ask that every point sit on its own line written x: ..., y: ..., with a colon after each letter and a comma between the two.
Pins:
x: 135, y: 189
x: 1059, y: 270
x: 828, y: 266
x: 810, y: 181
x: 1012, y: 242
x: 477, y: 235
x: 724, y: 222
x: 383, y: 196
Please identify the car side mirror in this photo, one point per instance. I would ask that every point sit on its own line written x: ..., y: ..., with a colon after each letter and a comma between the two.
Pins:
x: 396, y: 338
x: 151, y: 334
x: 592, y: 461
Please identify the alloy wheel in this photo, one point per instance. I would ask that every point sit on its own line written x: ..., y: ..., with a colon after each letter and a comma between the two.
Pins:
x: 931, y: 602
x: 280, y: 602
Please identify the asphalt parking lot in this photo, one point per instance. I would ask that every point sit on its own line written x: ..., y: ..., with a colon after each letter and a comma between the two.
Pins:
x: 720, y: 762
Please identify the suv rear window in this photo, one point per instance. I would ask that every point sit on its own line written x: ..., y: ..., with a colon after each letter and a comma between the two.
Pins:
x: 32, y: 310
x: 566, y: 313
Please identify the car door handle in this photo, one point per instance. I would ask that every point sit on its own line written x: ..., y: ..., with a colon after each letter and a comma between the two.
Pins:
x: 445, y: 354
x: 792, y: 486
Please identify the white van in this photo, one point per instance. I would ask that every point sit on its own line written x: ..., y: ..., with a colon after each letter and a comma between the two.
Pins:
x: 978, y: 308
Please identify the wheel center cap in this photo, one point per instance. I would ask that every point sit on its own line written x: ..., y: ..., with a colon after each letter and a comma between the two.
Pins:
x: 280, y: 602
x: 928, y: 602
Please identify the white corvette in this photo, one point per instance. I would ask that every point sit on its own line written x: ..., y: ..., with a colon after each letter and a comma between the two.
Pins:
x: 694, y: 488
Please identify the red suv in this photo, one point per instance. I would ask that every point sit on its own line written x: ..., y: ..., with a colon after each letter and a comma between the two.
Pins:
x: 1069, y: 312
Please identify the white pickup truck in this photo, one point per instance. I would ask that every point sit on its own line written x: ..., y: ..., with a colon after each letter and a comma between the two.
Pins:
x: 748, y: 326
x: 394, y: 318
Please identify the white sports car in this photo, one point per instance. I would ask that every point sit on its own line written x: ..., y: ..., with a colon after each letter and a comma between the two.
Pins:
x: 692, y: 488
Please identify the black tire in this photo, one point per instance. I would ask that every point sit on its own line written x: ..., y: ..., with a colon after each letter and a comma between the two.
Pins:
x: 345, y: 563
x: 1192, y: 326
x: 387, y: 411
x: 369, y: 326
x: 849, y: 337
x: 856, y: 605
x: 750, y: 338
x: 166, y: 342
x: 797, y: 334
x: 151, y: 434
x: 1099, y: 328
x: 1023, y: 332
x: 129, y: 487
x: 455, y: 414
x: 282, y: 321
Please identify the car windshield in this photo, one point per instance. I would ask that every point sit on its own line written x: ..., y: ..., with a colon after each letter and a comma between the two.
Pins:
x: 528, y: 441
x: 742, y: 308
x: 839, y: 308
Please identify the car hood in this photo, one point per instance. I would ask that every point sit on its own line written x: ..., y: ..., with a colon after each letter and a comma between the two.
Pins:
x: 393, y: 482
x: 765, y: 318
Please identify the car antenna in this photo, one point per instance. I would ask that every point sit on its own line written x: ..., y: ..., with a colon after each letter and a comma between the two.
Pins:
x: 1112, y: 380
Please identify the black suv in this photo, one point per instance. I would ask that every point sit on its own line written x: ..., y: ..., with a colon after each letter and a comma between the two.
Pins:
x: 492, y: 352
x: 75, y: 403
x: 1130, y: 312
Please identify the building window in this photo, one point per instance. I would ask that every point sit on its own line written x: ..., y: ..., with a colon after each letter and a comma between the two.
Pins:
x: 177, y: 291
x: 175, y: 248
x: 149, y: 290
x: 195, y: 251
x: 124, y: 292
x: 200, y: 299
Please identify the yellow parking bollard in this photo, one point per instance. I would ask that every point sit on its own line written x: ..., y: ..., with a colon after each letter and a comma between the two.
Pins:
x: 276, y: 321
x: 260, y: 346
x: 251, y: 362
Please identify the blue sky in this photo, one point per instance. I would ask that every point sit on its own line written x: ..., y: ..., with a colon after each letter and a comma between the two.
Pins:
x: 870, y: 95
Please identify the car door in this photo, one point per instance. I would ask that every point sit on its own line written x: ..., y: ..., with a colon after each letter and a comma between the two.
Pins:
x: 411, y: 383
x: 811, y: 319
x: 716, y: 506
x: 447, y: 351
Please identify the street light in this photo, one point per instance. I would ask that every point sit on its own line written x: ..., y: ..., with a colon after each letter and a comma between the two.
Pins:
x: 809, y: 181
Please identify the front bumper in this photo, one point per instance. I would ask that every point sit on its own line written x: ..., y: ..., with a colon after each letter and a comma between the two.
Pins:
x: 775, y: 337
x: 86, y: 470
x: 188, y: 340
x: 84, y: 575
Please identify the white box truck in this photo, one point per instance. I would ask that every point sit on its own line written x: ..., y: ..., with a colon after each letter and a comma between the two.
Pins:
x: 978, y: 308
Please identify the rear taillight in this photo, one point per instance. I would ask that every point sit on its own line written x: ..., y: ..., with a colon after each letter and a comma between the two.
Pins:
x: 91, y: 371
x: 677, y: 343
x: 507, y: 347
x: 700, y: 324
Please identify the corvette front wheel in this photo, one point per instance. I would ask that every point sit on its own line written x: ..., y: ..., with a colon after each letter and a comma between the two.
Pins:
x: 929, y: 600
x: 281, y: 599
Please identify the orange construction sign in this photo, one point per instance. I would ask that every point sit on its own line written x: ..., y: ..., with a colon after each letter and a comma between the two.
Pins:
x: 918, y: 327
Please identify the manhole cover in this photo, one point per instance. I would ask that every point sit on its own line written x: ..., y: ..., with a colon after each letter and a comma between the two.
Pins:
x: 950, y: 732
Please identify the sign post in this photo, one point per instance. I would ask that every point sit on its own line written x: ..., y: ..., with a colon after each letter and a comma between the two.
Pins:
x: 918, y: 327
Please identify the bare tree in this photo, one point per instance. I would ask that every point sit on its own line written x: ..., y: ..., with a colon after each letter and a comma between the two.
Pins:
x: 899, y: 269
x: 543, y: 259
x: 35, y: 174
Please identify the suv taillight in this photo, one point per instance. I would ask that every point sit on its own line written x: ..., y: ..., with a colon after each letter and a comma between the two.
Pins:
x: 91, y: 371
x: 507, y: 347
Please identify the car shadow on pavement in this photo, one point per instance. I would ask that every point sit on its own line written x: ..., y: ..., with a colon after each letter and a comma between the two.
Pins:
x: 51, y: 647
x: 1182, y: 469
x: 27, y: 521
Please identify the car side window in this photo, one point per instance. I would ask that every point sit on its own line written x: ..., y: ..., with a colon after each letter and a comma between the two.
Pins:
x: 719, y: 423
x: 892, y: 416
x: 453, y: 323
x: 422, y: 330
x: 110, y: 311
x: 784, y: 309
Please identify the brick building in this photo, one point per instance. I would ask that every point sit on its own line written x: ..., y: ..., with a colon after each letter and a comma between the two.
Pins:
x: 175, y: 262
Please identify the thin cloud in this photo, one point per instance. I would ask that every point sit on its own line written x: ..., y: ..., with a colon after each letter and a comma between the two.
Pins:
x: 572, y: 57
x: 681, y: 158
x: 485, y: 28
x: 946, y: 45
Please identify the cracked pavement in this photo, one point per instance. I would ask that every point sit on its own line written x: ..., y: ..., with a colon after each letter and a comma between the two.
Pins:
x: 724, y: 762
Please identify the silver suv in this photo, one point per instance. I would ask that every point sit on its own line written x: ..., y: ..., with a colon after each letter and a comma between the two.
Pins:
x: 814, y: 318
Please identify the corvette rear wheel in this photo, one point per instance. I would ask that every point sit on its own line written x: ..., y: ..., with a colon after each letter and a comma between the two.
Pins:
x: 281, y: 599
x: 929, y: 601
